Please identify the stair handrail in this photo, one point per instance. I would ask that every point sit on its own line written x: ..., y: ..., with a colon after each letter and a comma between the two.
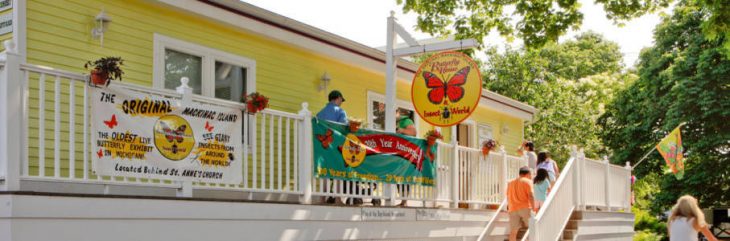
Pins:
x: 569, y: 172
x: 490, y: 225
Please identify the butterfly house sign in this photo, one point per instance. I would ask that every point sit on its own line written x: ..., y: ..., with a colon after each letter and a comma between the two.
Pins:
x: 446, y: 88
x: 143, y: 135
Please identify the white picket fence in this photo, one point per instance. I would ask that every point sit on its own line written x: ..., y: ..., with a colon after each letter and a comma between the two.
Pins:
x: 45, y: 119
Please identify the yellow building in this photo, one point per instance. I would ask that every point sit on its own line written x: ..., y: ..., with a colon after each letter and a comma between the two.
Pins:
x: 277, y: 56
x: 227, y: 48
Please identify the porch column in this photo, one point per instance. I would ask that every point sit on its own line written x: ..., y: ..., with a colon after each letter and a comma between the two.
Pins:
x: 305, y: 155
x: 11, y: 114
x: 390, y: 86
x: 186, y: 98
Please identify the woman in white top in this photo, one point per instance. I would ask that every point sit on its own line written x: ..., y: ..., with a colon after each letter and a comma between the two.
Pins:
x: 531, y: 156
x: 544, y: 162
x: 687, y: 220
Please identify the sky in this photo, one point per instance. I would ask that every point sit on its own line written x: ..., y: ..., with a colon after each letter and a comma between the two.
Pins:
x: 365, y: 22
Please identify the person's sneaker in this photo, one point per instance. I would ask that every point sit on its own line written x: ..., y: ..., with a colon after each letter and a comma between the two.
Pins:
x: 376, y: 202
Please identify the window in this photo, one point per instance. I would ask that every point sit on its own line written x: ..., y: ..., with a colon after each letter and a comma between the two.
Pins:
x: 211, y: 72
x: 485, y: 133
x: 376, y: 111
x: 178, y: 65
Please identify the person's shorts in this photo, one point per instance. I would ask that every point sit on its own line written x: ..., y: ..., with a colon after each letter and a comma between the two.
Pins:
x: 519, y: 218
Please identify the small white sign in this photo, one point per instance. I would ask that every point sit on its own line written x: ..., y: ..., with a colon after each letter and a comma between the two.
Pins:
x: 6, y: 23
x: 391, y: 214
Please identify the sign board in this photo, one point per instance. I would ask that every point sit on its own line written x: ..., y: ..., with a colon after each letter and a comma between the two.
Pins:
x: 142, y: 135
x: 6, y: 23
x: 366, y: 155
x: 5, y: 5
x: 446, y: 88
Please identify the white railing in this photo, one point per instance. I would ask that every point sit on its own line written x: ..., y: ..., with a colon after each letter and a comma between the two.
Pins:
x: 480, y: 176
x: 583, y: 184
x: 554, y: 215
x: 47, y: 139
x: 55, y: 147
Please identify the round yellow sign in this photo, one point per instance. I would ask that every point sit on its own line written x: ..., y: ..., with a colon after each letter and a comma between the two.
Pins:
x: 446, y: 88
x: 174, y: 137
x: 353, y: 151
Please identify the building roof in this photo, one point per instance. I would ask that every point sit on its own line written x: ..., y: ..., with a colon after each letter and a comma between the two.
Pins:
x: 261, y: 21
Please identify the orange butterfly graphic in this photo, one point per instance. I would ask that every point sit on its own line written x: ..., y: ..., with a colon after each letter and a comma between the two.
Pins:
x: 326, y: 139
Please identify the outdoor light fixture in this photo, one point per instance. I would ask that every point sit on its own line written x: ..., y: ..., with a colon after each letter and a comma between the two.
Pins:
x: 101, y: 23
x: 325, y: 81
x: 505, y: 128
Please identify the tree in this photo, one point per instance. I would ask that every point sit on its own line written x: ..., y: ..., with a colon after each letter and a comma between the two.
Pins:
x: 569, y: 83
x: 538, y: 22
x: 683, y: 78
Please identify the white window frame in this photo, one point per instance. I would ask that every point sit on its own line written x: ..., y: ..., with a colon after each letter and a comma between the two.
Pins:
x: 375, y: 96
x: 486, y: 126
x: 208, y: 55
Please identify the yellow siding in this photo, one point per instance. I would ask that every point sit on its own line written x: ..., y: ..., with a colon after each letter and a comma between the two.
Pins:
x: 59, y: 36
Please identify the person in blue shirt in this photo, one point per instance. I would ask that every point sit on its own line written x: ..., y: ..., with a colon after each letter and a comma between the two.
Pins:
x: 332, y: 111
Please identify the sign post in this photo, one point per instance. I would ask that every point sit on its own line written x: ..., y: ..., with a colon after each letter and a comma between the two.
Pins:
x: 393, y: 30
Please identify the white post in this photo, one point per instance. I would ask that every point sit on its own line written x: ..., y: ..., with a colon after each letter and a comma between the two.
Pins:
x: 305, y: 155
x: 504, y: 175
x: 186, y: 98
x: 11, y: 114
x: 584, y: 178
x: 630, y: 196
x: 608, y: 184
x: 454, y: 170
x: 576, y: 177
x: 390, y: 91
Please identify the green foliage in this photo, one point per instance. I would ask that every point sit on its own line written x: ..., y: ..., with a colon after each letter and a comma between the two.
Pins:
x: 647, y: 236
x: 683, y: 78
x: 569, y: 83
x: 538, y: 22
x: 648, y: 227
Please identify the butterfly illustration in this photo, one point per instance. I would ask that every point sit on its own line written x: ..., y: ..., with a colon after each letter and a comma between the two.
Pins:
x: 440, y: 89
x: 111, y: 123
x: 100, y: 153
x: 173, y: 135
x: 208, y: 127
x: 326, y: 139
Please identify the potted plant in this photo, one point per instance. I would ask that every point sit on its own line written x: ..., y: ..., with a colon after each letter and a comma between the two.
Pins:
x: 432, y: 136
x: 487, y: 146
x: 256, y: 102
x: 354, y: 124
x: 105, y: 69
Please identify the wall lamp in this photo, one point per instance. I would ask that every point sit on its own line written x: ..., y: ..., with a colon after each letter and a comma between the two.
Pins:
x: 325, y: 81
x: 101, y: 23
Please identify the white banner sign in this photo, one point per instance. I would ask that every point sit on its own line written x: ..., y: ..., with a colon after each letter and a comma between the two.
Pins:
x: 143, y: 135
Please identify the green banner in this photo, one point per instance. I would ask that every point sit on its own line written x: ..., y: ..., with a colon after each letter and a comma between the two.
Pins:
x: 367, y: 155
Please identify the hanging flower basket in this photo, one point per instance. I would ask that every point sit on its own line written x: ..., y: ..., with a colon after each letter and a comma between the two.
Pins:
x: 488, y: 146
x: 431, y: 137
x: 256, y: 102
x: 354, y: 124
